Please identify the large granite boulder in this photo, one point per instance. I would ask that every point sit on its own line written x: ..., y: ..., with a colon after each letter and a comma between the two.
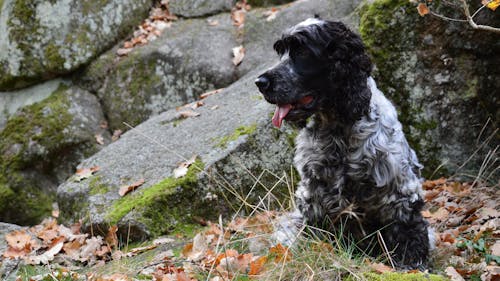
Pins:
x: 233, y: 141
x: 40, y: 145
x: 44, y: 38
x: 259, y: 34
x: 197, y: 8
x: 443, y: 78
x: 170, y: 71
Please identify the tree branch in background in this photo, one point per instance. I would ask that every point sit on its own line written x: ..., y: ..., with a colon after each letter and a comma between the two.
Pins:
x: 423, y: 9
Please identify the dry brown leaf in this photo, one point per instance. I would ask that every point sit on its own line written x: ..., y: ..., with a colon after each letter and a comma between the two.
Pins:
x: 18, y: 240
x: 116, y: 135
x: 257, y: 265
x: 281, y: 253
x: 440, y: 215
x: 99, y: 139
x: 495, y: 249
x: 138, y: 250
x: 187, y: 114
x: 238, y: 17
x: 88, y: 251
x: 453, y: 274
x: 111, y: 238
x: 422, y: 9
x: 129, y: 188
x: 271, y: 14
x: 433, y: 183
x: 492, y: 5
x: 196, y: 251
x: 238, y: 55
x: 48, y: 255
x: 84, y: 173
x: 207, y: 94
x: 381, y: 268
x: 212, y: 22
x: 183, y: 167
x: 163, y: 240
x: 123, y: 51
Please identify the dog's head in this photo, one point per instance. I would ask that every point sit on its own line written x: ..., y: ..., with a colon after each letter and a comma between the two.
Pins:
x: 323, y: 68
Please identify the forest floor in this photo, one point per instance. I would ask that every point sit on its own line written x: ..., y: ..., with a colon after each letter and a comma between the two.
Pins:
x: 465, y: 216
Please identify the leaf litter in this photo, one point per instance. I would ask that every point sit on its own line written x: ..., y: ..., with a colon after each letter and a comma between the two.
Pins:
x: 465, y: 217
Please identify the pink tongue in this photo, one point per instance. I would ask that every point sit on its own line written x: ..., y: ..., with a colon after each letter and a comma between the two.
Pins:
x: 280, y: 113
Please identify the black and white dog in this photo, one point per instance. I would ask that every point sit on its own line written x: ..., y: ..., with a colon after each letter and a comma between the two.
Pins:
x: 357, y: 170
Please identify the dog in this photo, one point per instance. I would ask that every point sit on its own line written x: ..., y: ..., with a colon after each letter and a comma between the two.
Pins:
x: 358, y: 173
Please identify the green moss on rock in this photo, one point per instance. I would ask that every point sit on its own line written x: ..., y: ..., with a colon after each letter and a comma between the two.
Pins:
x: 394, y: 52
x: 29, y: 137
x: 163, y: 206
x: 97, y: 187
x: 240, y: 131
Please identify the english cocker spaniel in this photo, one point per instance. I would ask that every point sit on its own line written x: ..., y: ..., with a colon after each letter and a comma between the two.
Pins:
x: 358, y: 173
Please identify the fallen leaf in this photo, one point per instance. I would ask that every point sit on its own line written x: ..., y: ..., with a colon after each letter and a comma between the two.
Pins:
x: 85, y: 173
x: 493, y: 5
x: 182, y: 168
x: 207, y: 94
x: 381, y: 268
x: 18, y: 240
x: 187, y: 114
x: 212, y: 22
x: 116, y: 135
x: 271, y: 14
x: 139, y: 250
x: 129, y: 188
x: 280, y: 253
x: 111, y: 238
x: 48, y: 255
x: 495, y: 249
x: 453, y: 274
x: 238, y: 17
x: 440, y: 215
x: 238, y: 55
x: 257, y: 265
x: 196, y: 251
x: 99, y: 139
x: 163, y: 240
x: 422, y: 9
x: 123, y: 51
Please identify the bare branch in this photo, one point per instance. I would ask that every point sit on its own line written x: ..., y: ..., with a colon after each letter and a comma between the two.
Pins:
x: 474, y: 24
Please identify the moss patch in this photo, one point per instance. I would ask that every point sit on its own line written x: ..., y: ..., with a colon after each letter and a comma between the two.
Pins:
x: 97, y: 187
x: 28, y: 141
x: 394, y: 52
x: 163, y: 206
x: 240, y: 131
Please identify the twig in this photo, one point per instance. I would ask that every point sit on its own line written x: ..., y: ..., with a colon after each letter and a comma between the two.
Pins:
x: 473, y: 23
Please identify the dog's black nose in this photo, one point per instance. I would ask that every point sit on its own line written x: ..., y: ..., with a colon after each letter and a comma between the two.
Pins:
x: 262, y: 83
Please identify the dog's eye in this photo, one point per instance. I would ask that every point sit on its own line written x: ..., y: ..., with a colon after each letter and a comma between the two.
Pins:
x: 301, y: 54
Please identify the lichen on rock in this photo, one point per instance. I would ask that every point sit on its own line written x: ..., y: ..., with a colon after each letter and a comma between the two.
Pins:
x: 42, y: 39
x: 435, y: 72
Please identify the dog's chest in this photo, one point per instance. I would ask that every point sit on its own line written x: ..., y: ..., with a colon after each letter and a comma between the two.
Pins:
x: 321, y: 155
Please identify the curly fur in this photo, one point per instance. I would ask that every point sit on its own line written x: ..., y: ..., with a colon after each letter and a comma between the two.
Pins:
x: 356, y: 167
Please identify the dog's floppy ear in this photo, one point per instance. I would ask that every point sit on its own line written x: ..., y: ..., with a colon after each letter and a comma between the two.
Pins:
x: 350, y: 67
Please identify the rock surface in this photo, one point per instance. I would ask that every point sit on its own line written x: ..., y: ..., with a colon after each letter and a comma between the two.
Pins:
x: 42, y: 39
x: 39, y: 147
x: 196, y: 8
x: 234, y: 143
x: 260, y: 34
x: 7, y: 266
x: 442, y: 76
x: 170, y: 71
